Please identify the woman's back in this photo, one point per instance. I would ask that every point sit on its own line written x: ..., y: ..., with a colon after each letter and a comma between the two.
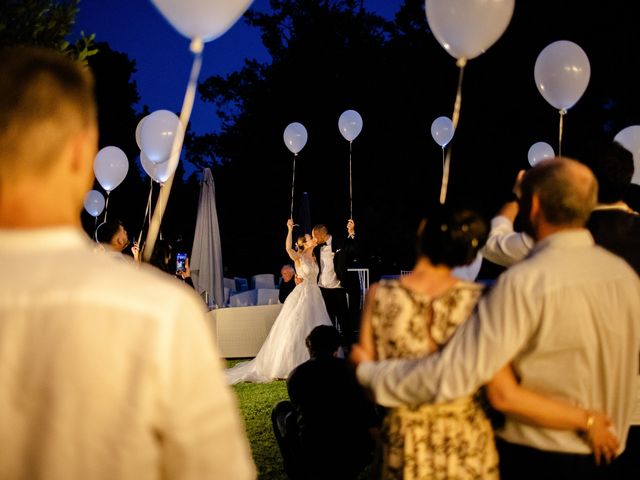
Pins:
x: 447, y: 440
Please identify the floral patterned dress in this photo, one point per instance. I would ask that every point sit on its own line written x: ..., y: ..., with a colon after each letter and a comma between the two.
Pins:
x: 452, y: 440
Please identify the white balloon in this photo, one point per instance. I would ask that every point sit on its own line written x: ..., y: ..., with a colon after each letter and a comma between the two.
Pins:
x: 540, y: 151
x: 94, y: 203
x: 350, y: 124
x: 442, y: 130
x: 157, y: 133
x: 111, y: 167
x: 295, y: 136
x: 204, y: 19
x: 138, y: 131
x: 467, y: 28
x: 159, y: 172
x: 629, y: 138
x: 562, y: 73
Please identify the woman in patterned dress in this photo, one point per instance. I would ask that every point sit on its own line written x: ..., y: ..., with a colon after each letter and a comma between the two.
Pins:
x: 417, y: 315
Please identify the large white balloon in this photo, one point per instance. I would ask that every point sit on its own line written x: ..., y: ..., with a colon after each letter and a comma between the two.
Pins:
x: 111, y: 167
x: 442, y: 130
x: 467, y: 28
x: 562, y: 73
x: 295, y: 137
x: 94, y: 203
x: 157, y: 133
x: 540, y: 151
x: 204, y: 19
x: 159, y: 172
x: 629, y: 138
x: 350, y: 124
x: 139, y: 130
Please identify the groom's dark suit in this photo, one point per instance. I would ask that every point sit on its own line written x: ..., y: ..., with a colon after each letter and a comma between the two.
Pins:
x: 343, y: 314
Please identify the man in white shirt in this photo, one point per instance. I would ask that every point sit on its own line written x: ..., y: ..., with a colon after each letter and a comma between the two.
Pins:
x: 566, y: 317
x: 106, y: 371
x: 114, y: 239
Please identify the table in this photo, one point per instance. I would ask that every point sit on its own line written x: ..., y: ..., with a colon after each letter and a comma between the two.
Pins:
x: 239, y: 332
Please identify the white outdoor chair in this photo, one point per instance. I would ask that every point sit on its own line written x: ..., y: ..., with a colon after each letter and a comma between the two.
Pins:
x: 244, y: 299
x: 263, y: 280
x: 267, y: 296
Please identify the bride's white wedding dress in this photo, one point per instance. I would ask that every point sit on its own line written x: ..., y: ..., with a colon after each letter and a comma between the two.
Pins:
x: 284, y: 349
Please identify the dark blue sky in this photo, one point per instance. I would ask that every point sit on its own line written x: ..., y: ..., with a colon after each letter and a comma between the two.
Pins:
x: 162, y: 56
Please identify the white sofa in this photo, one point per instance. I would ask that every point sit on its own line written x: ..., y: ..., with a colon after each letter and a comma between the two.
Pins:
x: 240, y: 332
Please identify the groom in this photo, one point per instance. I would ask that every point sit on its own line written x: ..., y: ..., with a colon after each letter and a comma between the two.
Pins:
x: 334, y: 256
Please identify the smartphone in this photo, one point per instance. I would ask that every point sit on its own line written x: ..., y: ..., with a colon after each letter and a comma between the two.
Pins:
x: 181, y: 258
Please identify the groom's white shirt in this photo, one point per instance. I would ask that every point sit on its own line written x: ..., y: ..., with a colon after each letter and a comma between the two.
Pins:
x: 328, y: 278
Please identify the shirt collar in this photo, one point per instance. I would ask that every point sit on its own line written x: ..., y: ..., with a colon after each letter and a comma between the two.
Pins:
x: 565, y: 239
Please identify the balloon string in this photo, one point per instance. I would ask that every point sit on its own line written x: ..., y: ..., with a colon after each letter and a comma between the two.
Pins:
x: 350, y: 185
x: 185, y: 114
x: 293, y: 182
x: 146, y: 212
x: 106, y: 208
x: 454, y: 120
x: 562, y: 113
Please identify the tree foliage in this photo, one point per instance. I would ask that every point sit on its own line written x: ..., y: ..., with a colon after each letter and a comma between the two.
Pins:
x: 45, y: 23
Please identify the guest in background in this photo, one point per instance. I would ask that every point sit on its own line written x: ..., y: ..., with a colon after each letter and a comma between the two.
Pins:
x: 325, y: 430
x: 288, y: 283
x: 114, y: 239
x: 108, y: 372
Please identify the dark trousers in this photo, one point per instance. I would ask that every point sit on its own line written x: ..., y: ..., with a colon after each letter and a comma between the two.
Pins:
x: 518, y: 462
x: 627, y: 465
x: 335, y: 300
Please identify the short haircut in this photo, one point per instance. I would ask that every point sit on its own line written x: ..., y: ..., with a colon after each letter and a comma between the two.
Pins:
x: 323, y: 341
x: 451, y: 237
x: 44, y: 98
x: 107, y: 230
x: 321, y: 228
x: 567, y: 191
x: 612, y: 165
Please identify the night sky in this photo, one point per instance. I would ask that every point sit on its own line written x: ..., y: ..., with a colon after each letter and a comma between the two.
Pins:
x: 162, y: 56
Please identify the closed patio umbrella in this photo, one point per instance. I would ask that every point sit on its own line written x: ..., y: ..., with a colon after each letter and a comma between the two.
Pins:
x: 206, y: 256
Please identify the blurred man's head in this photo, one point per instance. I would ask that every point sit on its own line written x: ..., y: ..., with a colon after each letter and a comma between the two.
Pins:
x: 114, y: 234
x: 48, y: 137
x: 323, y: 341
x: 557, y: 194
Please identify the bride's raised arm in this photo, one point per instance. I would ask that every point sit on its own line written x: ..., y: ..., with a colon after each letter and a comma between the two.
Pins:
x: 293, y: 255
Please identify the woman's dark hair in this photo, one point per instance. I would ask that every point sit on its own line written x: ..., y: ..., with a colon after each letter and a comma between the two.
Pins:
x: 162, y: 256
x: 451, y: 237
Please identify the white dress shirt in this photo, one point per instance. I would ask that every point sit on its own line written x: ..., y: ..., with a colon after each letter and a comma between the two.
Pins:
x: 107, y: 371
x: 328, y: 278
x: 504, y: 246
x: 567, y: 317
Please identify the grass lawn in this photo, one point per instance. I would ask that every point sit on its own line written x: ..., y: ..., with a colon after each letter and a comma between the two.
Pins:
x: 256, y: 401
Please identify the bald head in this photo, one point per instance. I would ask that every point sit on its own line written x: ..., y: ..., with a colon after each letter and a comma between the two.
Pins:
x: 566, y: 191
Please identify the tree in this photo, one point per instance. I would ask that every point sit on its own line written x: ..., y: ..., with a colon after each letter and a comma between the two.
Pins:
x: 44, y: 23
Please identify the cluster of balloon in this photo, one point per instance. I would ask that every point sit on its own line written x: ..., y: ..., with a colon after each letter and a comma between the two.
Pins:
x: 466, y: 29
x: 539, y: 151
x: 295, y: 138
x: 629, y: 138
x: 350, y: 126
x: 110, y: 167
x: 200, y: 21
x: 562, y: 73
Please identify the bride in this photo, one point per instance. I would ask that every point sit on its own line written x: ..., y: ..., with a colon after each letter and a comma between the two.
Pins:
x: 284, y: 349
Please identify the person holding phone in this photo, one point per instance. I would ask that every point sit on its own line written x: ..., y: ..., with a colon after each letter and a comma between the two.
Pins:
x: 183, y: 271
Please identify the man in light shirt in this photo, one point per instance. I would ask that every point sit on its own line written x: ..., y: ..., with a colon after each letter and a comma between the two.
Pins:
x: 567, y: 318
x: 106, y: 371
x: 114, y: 239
